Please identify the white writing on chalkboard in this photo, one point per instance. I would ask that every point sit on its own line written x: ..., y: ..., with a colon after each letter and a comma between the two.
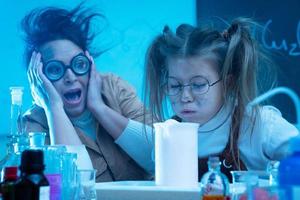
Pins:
x: 293, y: 48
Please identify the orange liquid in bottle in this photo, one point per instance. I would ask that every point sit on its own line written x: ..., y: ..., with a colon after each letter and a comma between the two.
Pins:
x: 215, y: 197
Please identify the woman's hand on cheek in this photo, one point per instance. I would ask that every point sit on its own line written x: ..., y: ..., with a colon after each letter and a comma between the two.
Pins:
x: 94, y: 98
x: 42, y: 90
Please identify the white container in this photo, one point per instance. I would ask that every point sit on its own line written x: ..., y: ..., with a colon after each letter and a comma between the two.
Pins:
x: 176, y: 154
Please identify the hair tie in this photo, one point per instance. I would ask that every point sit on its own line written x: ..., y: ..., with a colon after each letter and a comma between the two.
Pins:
x: 225, y: 35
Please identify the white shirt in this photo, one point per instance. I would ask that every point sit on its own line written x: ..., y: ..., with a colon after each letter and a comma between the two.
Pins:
x: 268, y: 141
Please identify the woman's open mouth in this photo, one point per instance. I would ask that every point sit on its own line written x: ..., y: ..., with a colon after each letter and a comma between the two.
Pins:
x: 73, y: 97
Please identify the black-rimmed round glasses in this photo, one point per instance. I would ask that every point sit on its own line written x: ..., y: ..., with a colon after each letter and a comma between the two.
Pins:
x: 55, y: 70
x: 199, y: 85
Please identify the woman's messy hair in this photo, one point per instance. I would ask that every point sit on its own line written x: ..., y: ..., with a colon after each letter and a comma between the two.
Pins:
x: 46, y: 24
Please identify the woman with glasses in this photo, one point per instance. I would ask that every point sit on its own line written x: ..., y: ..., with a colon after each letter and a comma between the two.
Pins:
x: 73, y: 103
x: 209, y: 77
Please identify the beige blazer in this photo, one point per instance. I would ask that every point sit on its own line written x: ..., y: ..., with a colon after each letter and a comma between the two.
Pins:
x: 111, y: 162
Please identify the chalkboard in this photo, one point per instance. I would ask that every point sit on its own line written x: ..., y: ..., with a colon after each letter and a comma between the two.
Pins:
x: 281, y: 35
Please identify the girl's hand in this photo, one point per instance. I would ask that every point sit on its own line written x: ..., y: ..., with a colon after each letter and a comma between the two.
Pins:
x: 94, y: 98
x: 42, y: 90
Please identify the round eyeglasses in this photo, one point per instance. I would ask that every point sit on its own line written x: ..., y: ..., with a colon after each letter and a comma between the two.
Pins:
x: 198, y: 85
x: 55, y: 70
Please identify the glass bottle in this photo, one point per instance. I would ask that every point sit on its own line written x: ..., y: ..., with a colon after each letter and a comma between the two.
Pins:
x: 69, y: 180
x: 215, y: 184
x: 32, y: 184
x: 54, y: 170
x: 17, y: 139
x: 7, y: 186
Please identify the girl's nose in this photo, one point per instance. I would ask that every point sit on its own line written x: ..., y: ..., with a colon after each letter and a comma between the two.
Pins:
x: 186, y: 94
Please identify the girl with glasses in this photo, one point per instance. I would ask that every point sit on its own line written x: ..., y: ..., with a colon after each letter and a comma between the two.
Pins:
x: 210, y: 77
